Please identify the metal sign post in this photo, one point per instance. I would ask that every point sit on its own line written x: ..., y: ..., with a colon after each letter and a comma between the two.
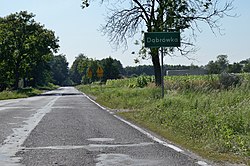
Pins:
x: 162, y: 73
x: 161, y: 40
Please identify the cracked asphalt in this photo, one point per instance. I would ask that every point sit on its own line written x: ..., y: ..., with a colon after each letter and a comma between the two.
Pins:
x: 64, y: 128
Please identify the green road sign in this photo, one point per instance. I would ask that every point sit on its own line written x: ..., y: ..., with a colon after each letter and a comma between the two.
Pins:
x: 162, y: 39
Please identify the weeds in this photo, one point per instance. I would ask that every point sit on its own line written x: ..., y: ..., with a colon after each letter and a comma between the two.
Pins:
x: 21, y: 93
x: 197, y: 110
x: 25, y: 92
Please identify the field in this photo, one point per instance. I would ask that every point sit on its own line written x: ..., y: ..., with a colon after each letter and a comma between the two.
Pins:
x: 206, y: 114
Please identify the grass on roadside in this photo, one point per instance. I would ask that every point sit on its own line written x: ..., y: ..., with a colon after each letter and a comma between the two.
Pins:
x: 213, y: 123
x: 22, y: 93
x: 25, y: 92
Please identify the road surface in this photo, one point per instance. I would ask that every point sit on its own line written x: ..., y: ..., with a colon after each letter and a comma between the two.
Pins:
x: 65, y: 128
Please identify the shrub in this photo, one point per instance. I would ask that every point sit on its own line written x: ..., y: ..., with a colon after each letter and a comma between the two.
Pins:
x: 227, y: 80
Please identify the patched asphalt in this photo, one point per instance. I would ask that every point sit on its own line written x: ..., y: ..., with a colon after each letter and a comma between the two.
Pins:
x: 65, y: 128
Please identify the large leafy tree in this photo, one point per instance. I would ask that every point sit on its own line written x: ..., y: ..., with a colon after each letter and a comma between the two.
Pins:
x: 79, y: 68
x: 26, y: 47
x: 59, y: 70
x: 246, y: 65
x: 112, y: 68
x: 218, y: 66
x: 127, y: 18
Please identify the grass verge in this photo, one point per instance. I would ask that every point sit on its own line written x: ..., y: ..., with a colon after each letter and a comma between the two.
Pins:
x: 25, y: 92
x: 214, y: 123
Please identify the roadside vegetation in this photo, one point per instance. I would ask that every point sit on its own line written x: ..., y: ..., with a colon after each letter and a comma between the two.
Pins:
x: 207, y: 114
x: 26, y: 92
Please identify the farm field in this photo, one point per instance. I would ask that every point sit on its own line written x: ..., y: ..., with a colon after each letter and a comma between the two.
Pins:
x: 210, y: 115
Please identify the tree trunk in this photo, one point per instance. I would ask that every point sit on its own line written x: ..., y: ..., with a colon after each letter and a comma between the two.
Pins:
x: 17, y: 75
x: 157, y: 66
x: 16, y: 80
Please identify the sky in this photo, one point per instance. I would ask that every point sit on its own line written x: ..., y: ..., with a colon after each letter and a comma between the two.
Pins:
x: 78, y: 32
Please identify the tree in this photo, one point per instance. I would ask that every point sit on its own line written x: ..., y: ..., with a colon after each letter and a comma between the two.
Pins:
x: 158, y: 16
x: 79, y: 68
x: 219, y: 66
x: 26, y: 47
x: 39, y: 73
x: 59, y: 70
x: 112, y: 68
x: 213, y: 67
x: 222, y: 62
x: 4, y: 76
x: 234, y: 68
x: 246, y: 65
x: 246, y: 68
x: 78, y: 72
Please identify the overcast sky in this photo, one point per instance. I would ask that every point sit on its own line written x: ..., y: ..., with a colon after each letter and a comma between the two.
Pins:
x: 77, y: 30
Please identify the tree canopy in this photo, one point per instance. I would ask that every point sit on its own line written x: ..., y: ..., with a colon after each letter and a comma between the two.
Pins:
x: 60, y: 70
x: 79, y: 70
x: 25, y: 48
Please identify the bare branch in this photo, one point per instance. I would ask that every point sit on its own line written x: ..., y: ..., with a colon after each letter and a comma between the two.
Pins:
x: 122, y: 25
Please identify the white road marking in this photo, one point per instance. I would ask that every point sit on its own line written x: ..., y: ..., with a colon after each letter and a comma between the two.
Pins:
x: 101, y: 139
x: 201, y: 163
x: 138, y: 128
x: 124, y: 160
x: 91, y: 147
x: 12, y: 123
x: 6, y: 102
x: 5, y: 108
x: 12, y: 144
x: 150, y: 135
x: 19, y: 117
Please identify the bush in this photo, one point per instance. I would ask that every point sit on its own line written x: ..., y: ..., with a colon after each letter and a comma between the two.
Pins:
x: 228, y: 80
x: 140, y: 82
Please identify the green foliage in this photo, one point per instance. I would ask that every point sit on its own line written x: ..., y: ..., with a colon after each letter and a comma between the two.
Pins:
x: 47, y: 87
x: 134, y: 82
x: 60, y: 70
x: 25, y: 48
x: 222, y: 65
x: 246, y: 65
x: 220, y: 121
x: 78, y: 72
x: 79, y: 68
x: 112, y: 68
x: 21, y: 93
x: 196, y: 110
x: 235, y: 68
x: 26, y: 92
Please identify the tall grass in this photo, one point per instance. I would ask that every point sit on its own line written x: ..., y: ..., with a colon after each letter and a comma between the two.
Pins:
x: 22, y: 93
x: 26, y: 92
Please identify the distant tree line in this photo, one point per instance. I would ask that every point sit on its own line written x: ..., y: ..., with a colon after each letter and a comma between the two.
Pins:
x: 149, y: 70
x: 221, y: 64
x: 79, y: 70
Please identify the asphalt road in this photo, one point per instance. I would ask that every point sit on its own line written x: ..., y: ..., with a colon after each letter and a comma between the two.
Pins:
x: 65, y: 128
